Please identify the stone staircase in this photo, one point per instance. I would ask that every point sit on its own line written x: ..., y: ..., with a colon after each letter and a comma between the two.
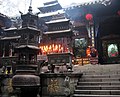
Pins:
x: 99, y: 81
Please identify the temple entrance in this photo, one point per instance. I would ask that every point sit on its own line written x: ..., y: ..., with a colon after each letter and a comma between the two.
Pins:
x: 80, y: 45
x: 109, y: 41
x: 111, y: 49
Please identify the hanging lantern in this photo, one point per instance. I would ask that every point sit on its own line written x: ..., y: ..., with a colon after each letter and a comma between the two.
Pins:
x: 118, y: 12
x: 89, y: 17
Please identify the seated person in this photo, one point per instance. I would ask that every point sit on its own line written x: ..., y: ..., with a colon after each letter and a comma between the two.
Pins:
x: 93, y: 52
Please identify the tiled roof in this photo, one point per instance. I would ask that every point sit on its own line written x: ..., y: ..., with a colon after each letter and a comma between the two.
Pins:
x: 31, y: 28
x: 60, y: 31
x: 104, y: 2
x: 12, y: 28
x: 50, y: 6
x: 57, y: 21
x: 2, y: 15
x: 9, y: 38
x: 28, y: 46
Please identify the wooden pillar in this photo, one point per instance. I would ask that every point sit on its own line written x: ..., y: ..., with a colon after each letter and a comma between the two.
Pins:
x: 3, y: 51
x: 10, y: 51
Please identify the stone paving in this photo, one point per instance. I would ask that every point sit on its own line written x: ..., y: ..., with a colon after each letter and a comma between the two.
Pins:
x: 97, y: 68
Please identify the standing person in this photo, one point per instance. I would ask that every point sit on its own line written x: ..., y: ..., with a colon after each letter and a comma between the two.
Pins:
x: 88, y: 51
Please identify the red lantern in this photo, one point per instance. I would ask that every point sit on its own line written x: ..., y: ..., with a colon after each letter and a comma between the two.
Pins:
x: 89, y: 17
x: 118, y: 12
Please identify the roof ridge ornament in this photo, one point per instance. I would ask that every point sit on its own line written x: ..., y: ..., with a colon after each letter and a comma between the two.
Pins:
x: 30, y: 7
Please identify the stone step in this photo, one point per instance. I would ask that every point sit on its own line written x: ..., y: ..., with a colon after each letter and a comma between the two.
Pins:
x: 98, y: 92
x: 100, y: 72
x: 27, y: 65
x: 30, y: 67
x: 25, y: 71
x: 99, y: 83
x: 99, y: 79
x: 102, y: 76
x: 81, y: 95
x: 99, y: 87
